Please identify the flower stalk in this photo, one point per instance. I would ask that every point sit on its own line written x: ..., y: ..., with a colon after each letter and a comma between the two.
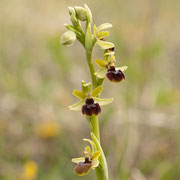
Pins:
x: 90, y: 103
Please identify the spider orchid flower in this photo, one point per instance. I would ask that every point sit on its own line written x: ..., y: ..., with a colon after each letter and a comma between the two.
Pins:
x: 89, y: 102
x: 89, y: 161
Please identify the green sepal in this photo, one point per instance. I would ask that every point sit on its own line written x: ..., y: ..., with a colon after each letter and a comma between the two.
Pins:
x: 103, y: 34
x: 88, y: 38
x: 104, y: 26
x: 79, y: 94
x: 89, y: 14
x: 101, y: 63
x: 78, y: 160
x: 103, y: 102
x: 101, y: 73
x: 96, y: 92
x: 105, y: 44
x: 123, y: 68
x: 77, y: 106
x: 86, y: 87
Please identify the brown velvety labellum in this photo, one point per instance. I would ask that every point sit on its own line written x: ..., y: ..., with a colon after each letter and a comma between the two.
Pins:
x: 115, y: 75
x: 82, y: 168
x: 91, y: 109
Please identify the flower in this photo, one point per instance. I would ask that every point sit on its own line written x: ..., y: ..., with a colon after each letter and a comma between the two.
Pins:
x: 107, y: 68
x: 30, y: 171
x: 89, y: 104
x: 89, y: 161
x: 100, y: 35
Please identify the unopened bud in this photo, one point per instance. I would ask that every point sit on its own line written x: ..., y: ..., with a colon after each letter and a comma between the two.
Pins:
x: 81, y: 13
x: 71, y: 10
x: 68, y: 38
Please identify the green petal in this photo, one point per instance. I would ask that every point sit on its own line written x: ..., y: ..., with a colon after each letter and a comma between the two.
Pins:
x: 109, y: 53
x: 96, y: 91
x: 103, y: 102
x: 96, y: 155
x: 88, y: 149
x: 123, y: 68
x: 103, y: 34
x: 101, y: 73
x: 78, y: 160
x: 111, y: 58
x: 79, y: 94
x: 104, y: 26
x: 101, y: 63
x: 77, y: 106
x: 93, y: 146
x: 105, y: 44
x: 95, y: 163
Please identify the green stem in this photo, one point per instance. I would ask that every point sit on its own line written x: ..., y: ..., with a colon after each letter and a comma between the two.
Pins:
x: 94, y: 125
x: 101, y: 170
x: 91, y: 67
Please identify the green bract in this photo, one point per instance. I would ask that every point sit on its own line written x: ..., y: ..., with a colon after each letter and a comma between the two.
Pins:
x: 89, y: 14
x: 86, y: 93
x: 68, y: 38
x: 88, y: 38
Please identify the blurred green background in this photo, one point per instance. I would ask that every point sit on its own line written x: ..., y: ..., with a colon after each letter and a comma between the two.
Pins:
x: 140, y: 130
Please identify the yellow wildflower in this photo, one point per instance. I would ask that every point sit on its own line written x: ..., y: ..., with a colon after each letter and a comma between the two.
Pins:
x: 30, y: 171
x: 48, y: 129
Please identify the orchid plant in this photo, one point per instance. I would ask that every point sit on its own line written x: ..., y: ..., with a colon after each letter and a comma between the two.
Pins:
x: 90, y: 103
